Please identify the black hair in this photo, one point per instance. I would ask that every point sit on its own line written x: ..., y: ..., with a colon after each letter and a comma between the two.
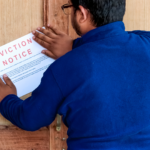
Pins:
x: 103, y: 11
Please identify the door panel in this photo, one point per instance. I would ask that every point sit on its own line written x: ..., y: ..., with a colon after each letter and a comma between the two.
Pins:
x: 13, y: 138
x: 137, y: 15
x: 18, y: 18
x: 58, y: 138
x: 54, y: 15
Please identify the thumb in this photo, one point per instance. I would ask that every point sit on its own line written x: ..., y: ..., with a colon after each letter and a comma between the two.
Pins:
x: 8, y: 81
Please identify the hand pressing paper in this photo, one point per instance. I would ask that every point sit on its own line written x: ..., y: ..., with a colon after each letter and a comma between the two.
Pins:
x: 24, y: 63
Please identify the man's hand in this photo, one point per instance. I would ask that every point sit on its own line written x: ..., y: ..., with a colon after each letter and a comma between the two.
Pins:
x: 6, y: 89
x: 56, y: 42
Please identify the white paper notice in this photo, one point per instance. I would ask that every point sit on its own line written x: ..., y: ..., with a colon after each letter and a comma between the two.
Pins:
x: 23, y: 62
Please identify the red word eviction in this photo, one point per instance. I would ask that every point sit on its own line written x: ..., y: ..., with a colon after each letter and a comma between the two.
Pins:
x: 14, y: 48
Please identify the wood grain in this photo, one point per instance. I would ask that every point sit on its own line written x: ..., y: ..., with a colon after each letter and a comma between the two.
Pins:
x: 27, y: 17
x: 137, y: 15
x: 58, y: 139
x: 18, y: 18
x: 55, y: 15
x: 45, y: 13
x: 13, y: 138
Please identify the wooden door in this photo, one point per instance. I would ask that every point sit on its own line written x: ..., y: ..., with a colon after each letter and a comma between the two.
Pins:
x: 55, y: 16
x: 18, y: 18
x: 137, y: 15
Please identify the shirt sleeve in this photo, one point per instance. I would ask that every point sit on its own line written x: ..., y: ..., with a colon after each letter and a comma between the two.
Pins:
x: 37, y: 111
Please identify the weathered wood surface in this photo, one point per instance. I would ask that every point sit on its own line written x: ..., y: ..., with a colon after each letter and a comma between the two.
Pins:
x: 18, y: 18
x: 45, y: 12
x: 58, y: 139
x: 13, y: 138
x: 54, y: 15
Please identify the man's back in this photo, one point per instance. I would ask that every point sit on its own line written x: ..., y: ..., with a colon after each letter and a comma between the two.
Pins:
x: 102, y: 89
x: 106, y: 84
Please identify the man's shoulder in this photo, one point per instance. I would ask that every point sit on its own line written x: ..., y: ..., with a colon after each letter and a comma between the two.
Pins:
x: 140, y: 33
x: 70, y: 70
x: 72, y: 59
x: 76, y: 43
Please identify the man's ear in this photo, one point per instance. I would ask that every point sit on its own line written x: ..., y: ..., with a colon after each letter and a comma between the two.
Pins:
x: 83, y: 14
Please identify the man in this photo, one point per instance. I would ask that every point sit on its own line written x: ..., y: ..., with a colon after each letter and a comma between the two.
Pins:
x: 100, y: 83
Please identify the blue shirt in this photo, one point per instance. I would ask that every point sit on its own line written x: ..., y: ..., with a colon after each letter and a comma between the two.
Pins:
x: 102, y: 89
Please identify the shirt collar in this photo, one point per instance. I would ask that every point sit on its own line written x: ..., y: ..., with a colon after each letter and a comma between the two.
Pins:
x: 106, y: 31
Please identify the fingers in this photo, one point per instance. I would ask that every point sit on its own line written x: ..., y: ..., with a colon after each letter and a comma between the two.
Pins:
x: 49, y: 54
x: 41, y: 36
x: 1, y: 82
x: 41, y: 42
x: 49, y: 33
x: 8, y: 81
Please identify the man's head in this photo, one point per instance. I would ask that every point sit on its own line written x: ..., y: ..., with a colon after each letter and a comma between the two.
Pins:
x: 89, y: 14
